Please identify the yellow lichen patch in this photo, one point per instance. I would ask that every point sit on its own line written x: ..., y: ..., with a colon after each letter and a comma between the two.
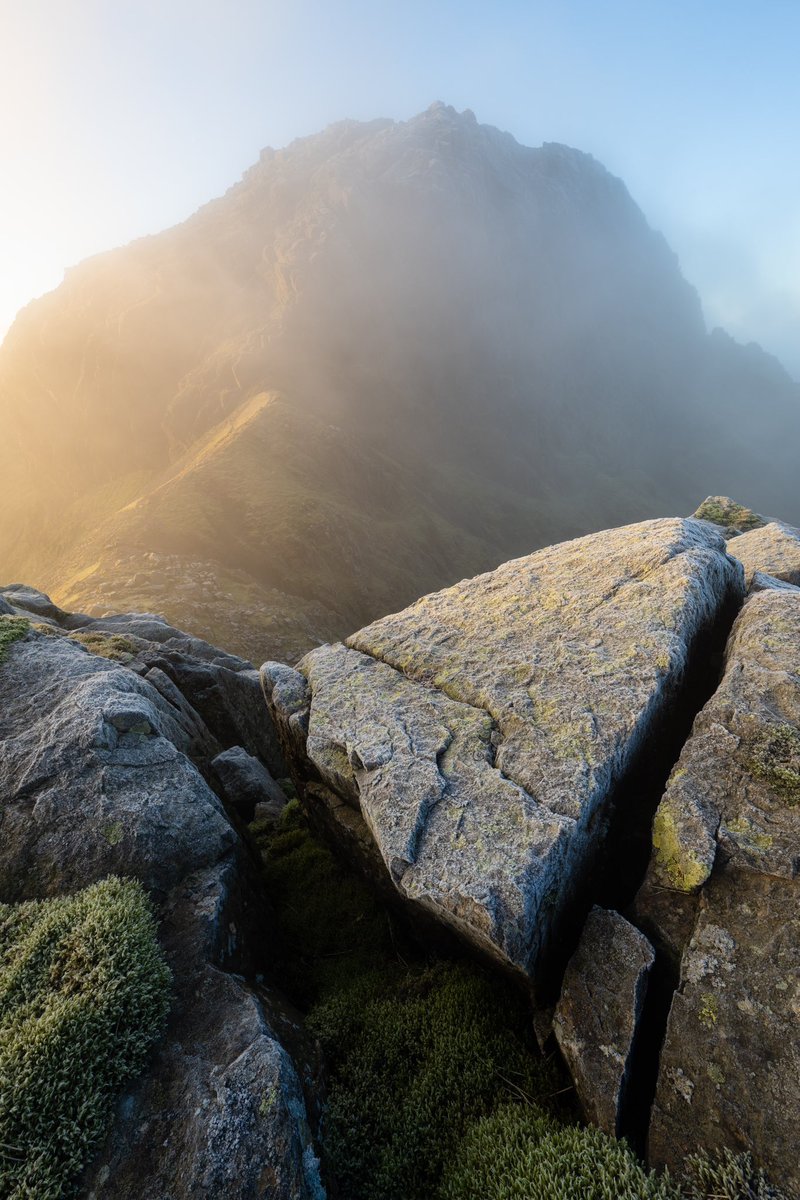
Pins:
x: 774, y: 757
x: 709, y: 1009
x: 685, y: 871
x: 749, y: 834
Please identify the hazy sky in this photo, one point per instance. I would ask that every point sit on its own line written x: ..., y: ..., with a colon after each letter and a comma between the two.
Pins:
x: 118, y: 118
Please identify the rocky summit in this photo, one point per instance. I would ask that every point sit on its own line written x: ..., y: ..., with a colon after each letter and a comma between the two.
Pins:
x: 485, y: 733
x: 559, y: 798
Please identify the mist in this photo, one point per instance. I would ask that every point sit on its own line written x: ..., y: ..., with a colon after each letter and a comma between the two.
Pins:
x: 393, y: 355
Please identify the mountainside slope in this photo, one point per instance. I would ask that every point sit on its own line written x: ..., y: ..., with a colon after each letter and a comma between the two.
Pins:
x: 392, y: 355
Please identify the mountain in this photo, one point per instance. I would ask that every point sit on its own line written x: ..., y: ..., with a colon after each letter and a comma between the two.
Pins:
x: 392, y: 355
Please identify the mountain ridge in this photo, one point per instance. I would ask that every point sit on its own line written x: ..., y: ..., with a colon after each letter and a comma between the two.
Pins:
x: 480, y: 348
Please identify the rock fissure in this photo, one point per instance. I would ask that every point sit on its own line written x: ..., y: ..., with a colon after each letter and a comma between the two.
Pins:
x: 630, y: 843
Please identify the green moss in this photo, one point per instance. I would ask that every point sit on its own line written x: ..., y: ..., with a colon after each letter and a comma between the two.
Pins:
x: 113, y: 645
x: 728, y: 1176
x: 521, y: 1154
x: 11, y: 630
x: 332, y: 928
x: 774, y: 757
x: 418, y: 1054
x: 84, y: 993
x: 721, y: 510
x: 114, y: 833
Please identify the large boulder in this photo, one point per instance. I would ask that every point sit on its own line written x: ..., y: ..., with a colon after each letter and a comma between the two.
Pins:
x: 96, y: 778
x: 722, y: 900
x: 772, y: 550
x: 484, y: 733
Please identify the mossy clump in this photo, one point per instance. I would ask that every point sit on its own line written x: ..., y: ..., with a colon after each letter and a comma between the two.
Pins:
x: 735, y: 518
x: 728, y: 1176
x: 417, y: 1056
x: 520, y: 1154
x: 84, y: 994
x: 11, y: 630
x: 332, y: 928
x: 107, y: 645
x: 774, y: 757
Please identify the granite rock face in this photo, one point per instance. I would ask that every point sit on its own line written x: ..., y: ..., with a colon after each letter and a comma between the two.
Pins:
x: 596, y: 1017
x: 730, y: 1064
x: 483, y: 732
x: 722, y: 900
x: 773, y: 550
x: 101, y: 772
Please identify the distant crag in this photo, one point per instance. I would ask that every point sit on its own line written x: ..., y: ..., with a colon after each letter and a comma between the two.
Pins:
x: 393, y: 355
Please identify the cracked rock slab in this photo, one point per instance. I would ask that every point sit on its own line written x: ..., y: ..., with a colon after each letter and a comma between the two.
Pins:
x: 598, y: 1012
x: 736, y: 785
x: 773, y: 550
x: 722, y: 895
x: 483, y: 731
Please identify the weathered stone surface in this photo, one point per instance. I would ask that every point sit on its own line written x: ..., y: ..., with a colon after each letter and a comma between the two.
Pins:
x: 29, y: 600
x: 483, y: 731
x: 598, y: 1012
x: 727, y: 515
x: 762, y: 583
x: 773, y: 550
x: 736, y: 786
x: 223, y: 690
x: 722, y: 896
x: 246, y: 783
x: 730, y: 1066
x: 96, y: 778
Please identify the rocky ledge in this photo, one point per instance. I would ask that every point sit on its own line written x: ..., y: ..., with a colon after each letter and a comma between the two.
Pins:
x: 487, y: 754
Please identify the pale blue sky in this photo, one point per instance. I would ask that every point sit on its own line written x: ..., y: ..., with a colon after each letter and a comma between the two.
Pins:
x: 118, y: 118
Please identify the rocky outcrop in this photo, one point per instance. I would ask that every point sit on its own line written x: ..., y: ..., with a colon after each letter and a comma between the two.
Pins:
x: 215, y: 690
x: 773, y: 550
x: 597, y: 1015
x: 102, y: 772
x: 484, y: 733
x: 721, y: 899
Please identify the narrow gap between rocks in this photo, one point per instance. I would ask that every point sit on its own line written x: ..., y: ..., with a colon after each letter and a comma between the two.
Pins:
x: 629, y: 849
